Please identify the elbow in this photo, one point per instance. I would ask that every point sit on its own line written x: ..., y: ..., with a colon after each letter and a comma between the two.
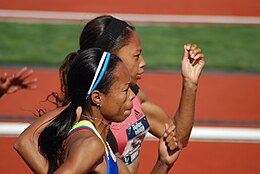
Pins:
x: 19, y: 145
x: 22, y: 143
x: 183, y: 142
x: 183, y: 145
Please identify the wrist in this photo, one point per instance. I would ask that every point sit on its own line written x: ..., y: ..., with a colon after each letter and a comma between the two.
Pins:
x: 188, y: 84
x: 163, y: 164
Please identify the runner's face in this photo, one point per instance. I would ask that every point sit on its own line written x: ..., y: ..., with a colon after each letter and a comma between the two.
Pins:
x: 132, y: 57
x: 117, y: 103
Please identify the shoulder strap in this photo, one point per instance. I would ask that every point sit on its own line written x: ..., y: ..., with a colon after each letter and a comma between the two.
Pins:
x: 86, y: 125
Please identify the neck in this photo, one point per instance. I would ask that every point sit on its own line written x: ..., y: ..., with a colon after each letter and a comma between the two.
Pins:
x: 101, y: 125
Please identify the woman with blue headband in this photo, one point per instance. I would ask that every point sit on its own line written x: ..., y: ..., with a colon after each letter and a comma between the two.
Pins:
x: 120, y: 38
x: 75, y: 140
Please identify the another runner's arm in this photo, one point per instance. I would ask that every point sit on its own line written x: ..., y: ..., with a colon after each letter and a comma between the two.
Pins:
x: 192, y: 65
x: 184, y: 116
x: 27, y: 143
x: 156, y: 116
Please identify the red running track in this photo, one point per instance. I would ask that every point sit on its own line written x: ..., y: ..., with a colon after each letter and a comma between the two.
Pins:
x: 222, y: 96
x: 230, y: 97
x: 177, y: 7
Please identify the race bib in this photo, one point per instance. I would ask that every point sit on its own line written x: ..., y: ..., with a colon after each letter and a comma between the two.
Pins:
x: 135, y: 134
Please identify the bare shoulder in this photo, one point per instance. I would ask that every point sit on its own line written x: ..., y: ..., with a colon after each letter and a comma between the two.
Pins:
x: 85, y: 136
x: 85, y: 152
x: 85, y: 142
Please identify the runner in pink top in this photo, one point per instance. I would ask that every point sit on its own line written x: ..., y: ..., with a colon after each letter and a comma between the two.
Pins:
x: 130, y: 133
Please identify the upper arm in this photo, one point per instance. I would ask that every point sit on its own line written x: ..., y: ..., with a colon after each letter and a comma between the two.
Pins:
x: 156, y: 116
x: 32, y: 132
x: 84, y: 154
x: 27, y: 142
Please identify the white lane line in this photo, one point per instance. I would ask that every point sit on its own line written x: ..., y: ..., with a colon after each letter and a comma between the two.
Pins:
x: 12, y: 128
x: 142, y: 18
x: 199, y: 133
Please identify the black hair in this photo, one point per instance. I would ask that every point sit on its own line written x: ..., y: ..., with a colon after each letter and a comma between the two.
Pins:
x: 92, y: 32
x: 94, y: 29
x: 79, y: 78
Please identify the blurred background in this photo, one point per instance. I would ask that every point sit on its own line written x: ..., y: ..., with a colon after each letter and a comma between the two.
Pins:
x: 225, y: 139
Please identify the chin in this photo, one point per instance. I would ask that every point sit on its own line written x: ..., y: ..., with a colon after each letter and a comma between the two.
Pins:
x: 127, y: 113
x: 133, y: 82
x: 120, y: 120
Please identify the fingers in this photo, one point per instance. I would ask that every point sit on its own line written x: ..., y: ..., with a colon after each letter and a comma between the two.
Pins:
x: 26, y: 74
x: 186, y: 51
x: 23, y: 74
x: 3, y: 78
x: 170, y: 137
x: 169, y: 129
x: 20, y: 73
x: 29, y: 84
x: 195, y: 54
x: 20, y: 80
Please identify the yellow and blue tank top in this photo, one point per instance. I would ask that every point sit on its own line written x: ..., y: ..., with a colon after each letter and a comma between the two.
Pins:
x: 112, y: 167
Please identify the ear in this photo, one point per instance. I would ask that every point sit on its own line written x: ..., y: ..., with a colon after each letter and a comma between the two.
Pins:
x: 79, y: 112
x: 96, y: 97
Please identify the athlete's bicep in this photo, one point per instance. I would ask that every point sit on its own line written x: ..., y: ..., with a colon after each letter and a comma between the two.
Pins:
x: 27, y: 142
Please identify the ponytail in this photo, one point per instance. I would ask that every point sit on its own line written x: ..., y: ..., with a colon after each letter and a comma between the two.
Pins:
x: 63, y: 72
x: 62, y: 99
x: 52, y: 137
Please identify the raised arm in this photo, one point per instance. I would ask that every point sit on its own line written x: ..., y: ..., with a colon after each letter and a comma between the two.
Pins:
x: 192, y: 65
x: 27, y: 143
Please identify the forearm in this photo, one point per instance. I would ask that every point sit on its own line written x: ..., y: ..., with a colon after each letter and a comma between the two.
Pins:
x: 161, y: 167
x: 31, y: 156
x: 184, y: 117
x: 27, y: 143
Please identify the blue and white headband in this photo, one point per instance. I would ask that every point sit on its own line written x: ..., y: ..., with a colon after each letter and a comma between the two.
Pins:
x: 101, y: 69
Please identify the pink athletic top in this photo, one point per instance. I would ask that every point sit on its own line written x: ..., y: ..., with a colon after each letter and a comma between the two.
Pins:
x: 131, y: 132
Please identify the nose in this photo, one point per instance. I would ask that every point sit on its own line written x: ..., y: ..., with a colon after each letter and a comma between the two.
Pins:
x: 142, y: 63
